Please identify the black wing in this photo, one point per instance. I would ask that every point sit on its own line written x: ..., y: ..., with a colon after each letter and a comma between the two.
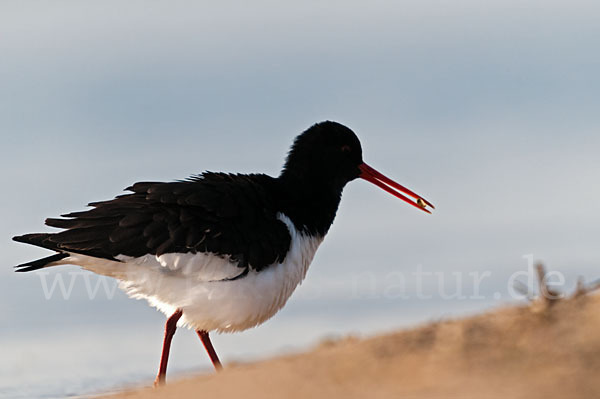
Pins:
x: 228, y: 215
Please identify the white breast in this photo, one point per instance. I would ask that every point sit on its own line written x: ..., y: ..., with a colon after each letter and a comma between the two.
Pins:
x: 191, y: 282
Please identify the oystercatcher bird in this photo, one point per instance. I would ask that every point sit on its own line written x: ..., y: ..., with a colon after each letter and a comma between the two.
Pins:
x: 217, y: 252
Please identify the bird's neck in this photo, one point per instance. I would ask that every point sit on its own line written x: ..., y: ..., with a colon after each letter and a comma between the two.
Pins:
x: 310, y: 203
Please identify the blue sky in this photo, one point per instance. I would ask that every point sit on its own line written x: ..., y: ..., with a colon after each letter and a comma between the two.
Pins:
x: 488, y: 109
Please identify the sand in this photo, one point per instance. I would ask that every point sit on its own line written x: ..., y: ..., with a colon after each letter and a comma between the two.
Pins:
x: 508, y: 353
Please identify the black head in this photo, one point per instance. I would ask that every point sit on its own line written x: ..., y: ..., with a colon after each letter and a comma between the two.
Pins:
x: 320, y: 163
x: 327, y: 154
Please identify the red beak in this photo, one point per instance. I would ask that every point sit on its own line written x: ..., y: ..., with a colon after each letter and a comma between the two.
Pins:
x: 381, y: 181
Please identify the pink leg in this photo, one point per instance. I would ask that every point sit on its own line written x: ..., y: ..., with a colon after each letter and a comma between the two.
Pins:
x: 209, y: 348
x: 170, y: 328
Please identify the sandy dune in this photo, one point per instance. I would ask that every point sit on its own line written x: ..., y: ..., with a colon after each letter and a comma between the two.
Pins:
x: 509, y: 353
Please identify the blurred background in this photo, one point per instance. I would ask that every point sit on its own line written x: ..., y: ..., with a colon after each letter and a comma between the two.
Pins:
x: 487, y: 109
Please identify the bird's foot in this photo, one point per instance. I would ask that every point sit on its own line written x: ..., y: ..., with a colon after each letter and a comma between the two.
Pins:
x: 159, y: 381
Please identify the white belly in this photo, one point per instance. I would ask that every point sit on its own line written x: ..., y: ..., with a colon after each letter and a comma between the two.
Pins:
x: 190, y: 282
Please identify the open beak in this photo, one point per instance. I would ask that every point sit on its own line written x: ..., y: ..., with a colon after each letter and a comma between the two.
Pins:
x: 397, y: 190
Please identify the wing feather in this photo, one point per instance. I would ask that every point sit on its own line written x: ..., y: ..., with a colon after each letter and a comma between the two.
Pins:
x: 232, y: 216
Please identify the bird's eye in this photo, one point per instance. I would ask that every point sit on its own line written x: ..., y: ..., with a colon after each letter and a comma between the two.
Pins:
x: 346, y: 148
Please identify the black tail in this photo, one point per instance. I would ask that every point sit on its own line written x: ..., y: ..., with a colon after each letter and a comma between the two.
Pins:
x: 39, y: 240
x: 40, y: 263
